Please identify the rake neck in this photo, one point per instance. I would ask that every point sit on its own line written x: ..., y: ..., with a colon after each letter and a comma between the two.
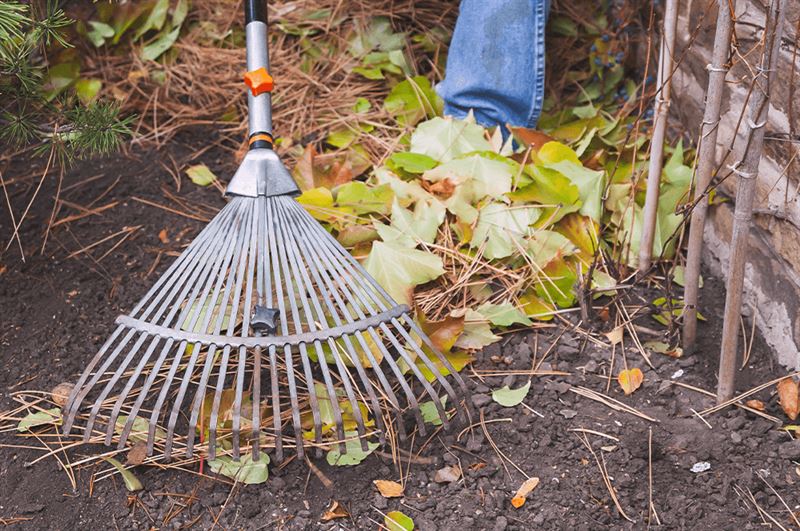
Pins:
x: 261, y: 173
x: 257, y: 78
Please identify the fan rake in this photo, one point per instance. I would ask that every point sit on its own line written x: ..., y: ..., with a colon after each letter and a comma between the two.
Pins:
x: 264, y: 314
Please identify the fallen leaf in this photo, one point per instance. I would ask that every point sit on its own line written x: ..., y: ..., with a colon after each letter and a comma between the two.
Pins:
x: 60, y: 393
x: 388, y: 488
x: 630, y: 380
x: 663, y: 348
x: 201, y: 175
x: 132, y: 483
x: 162, y: 235
x: 355, y: 454
x: 530, y: 137
x: 522, y: 492
x: 137, y: 454
x: 430, y: 413
x: 788, y: 392
x: 508, y: 397
x: 397, y: 521
x: 40, y: 418
x: 615, y: 336
x: 448, y: 474
x: 756, y: 404
x: 245, y: 470
x: 335, y: 510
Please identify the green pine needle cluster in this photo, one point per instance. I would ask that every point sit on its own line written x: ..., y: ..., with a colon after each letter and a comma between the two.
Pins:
x: 29, y: 33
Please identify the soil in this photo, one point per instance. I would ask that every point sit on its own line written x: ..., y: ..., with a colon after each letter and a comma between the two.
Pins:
x: 58, y: 308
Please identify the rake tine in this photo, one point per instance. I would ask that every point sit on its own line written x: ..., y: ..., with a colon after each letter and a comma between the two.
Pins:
x: 111, y: 383
x: 214, y: 418
x: 312, y: 398
x: 248, y: 303
x: 154, y: 415
x: 291, y: 252
x: 333, y: 398
x: 207, y: 314
x: 295, y: 406
x: 260, y: 288
x: 344, y: 280
x: 312, y: 267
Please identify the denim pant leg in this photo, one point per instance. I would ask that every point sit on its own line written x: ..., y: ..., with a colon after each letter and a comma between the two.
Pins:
x: 495, y: 66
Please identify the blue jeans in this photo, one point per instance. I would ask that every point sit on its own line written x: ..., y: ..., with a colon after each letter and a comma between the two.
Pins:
x: 495, y: 66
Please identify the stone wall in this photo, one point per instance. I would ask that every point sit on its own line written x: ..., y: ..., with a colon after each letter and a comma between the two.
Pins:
x: 772, y: 283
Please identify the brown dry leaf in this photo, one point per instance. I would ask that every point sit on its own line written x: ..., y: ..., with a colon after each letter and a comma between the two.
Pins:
x: 522, y: 492
x: 630, y: 380
x: 335, y: 510
x: 789, y: 394
x: 388, y: 489
x: 531, y: 138
x: 443, y: 334
x: 443, y: 188
x: 615, y: 336
x: 162, y: 235
x: 137, y: 454
x: 60, y: 393
x: 756, y: 404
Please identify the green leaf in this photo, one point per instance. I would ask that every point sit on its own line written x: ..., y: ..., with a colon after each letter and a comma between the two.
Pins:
x: 502, y: 229
x: 341, y: 138
x: 132, y: 483
x: 412, y: 100
x: 246, y: 470
x: 155, y: 19
x: 397, y: 521
x: 445, y: 139
x: 429, y: 412
x: 362, y: 105
x: 379, y: 35
x: 40, y: 418
x: 369, y: 73
x: 201, y: 175
x: 507, y: 397
x: 544, y: 246
x: 180, y: 12
x: 363, y: 199
x: 99, y: 32
x: 399, y: 269
x: 477, y: 332
x: 420, y: 225
x: 355, y: 454
x: 549, y: 188
x: 139, y: 429
x: 590, y: 183
x: 413, y: 162
x: 505, y: 314
x: 163, y: 42
x: 87, y: 89
x: 59, y: 78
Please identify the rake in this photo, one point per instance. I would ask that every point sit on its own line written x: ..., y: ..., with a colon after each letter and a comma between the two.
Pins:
x: 263, y: 303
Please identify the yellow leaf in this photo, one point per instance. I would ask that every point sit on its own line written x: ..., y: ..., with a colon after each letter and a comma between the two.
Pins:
x: 615, y: 336
x: 388, y: 489
x: 756, y: 404
x: 630, y: 380
x: 522, y: 493
x: 788, y: 392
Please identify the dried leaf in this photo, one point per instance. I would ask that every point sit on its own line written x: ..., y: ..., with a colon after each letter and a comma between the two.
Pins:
x: 137, y: 454
x: 664, y: 348
x: 132, y: 483
x: 335, y: 510
x: 630, y: 380
x: 388, y: 489
x: 448, y: 474
x: 789, y: 394
x: 162, y: 235
x: 40, y: 418
x: 615, y: 336
x: 60, y: 393
x: 756, y: 404
x: 522, y: 493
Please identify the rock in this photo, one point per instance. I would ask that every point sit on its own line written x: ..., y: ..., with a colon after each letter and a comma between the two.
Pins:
x: 736, y: 437
x: 591, y: 366
x: 737, y: 423
x: 790, y: 450
x: 500, y: 523
x: 380, y: 502
x: 447, y: 474
x: 568, y: 413
x: 480, y: 388
x: 480, y: 400
x: 474, y: 444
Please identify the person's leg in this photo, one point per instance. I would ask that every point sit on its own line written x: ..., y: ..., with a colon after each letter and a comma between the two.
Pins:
x: 495, y: 66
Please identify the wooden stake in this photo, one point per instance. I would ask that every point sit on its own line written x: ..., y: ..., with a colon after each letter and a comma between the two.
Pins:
x: 747, y: 171
x: 706, y: 159
x: 664, y: 83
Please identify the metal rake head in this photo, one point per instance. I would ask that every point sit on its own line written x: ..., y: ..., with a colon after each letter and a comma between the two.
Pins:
x: 262, y: 289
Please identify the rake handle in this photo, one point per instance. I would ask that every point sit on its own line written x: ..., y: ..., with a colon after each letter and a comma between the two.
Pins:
x: 257, y: 78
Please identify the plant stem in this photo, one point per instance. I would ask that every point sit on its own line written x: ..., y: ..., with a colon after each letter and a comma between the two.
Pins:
x: 664, y: 82
x: 747, y: 170
x: 706, y: 156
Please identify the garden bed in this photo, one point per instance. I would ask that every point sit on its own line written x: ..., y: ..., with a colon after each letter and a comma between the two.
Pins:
x: 59, y: 307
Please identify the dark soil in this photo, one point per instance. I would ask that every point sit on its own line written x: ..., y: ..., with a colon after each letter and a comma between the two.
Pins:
x: 57, y: 310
